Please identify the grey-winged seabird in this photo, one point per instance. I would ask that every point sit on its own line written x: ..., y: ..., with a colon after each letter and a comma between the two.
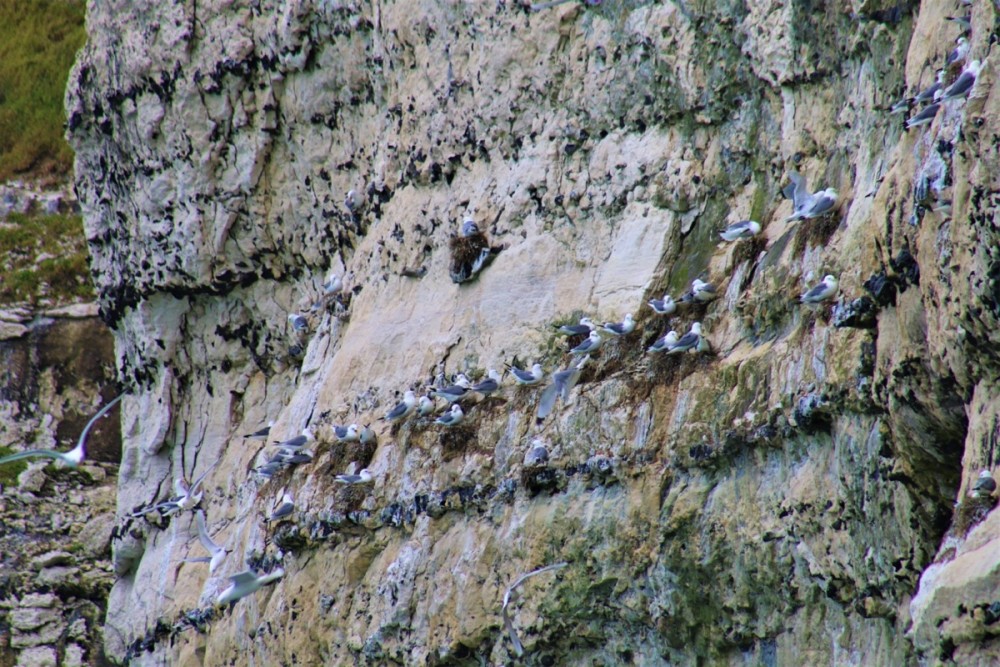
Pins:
x: 364, y: 476
x: 822, y: 291
x: 664, y: 306
x: 528, y: 378
x: 592, y: 344
x: 744, y: 229
x: 626, y: 326
x: 452, y: 417
x: 664, y: 342
x: 403, y: 408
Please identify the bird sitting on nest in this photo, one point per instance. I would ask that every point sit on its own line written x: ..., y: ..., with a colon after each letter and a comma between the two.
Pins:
x: 470, y: 253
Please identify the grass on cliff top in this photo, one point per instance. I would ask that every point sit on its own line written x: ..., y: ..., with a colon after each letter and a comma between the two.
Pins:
x: 44, y: 259
x: 38, y: 43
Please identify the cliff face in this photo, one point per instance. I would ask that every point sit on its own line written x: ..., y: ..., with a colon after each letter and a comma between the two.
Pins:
x: 55, y: 524
x: 775, y: 502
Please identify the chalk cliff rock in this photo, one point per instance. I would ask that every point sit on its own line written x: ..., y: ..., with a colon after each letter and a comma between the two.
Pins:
x: 774, y: 502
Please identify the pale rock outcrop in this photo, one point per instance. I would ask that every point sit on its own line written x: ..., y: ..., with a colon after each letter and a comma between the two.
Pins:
x: 774, y: 502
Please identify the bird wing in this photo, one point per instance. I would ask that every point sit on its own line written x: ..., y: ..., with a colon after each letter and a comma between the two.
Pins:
x: 547, y: 401
x: 243, y: 578
x: 800, y: 192
x: 203, y: 536
x: 44, y: 453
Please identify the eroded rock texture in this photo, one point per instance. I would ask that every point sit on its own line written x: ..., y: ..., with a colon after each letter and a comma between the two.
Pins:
x: 55, y: 523
x: 773, y: 503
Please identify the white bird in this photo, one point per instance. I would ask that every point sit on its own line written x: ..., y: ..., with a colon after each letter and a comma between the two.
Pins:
x: 364, y: 476
x: 352, y: 200
x: 452, y: 418
x: 963, y: 84
x: 689, y: 341
x: 538, y: 455
x: 664, y: 306
x: 664, y: 342
x: 333, y: 285
x: 346, y: 433
x: 489, y: 385
x: 404, y: 408
x: 246, y: 583
x: 822, y: 291
x: 425, y: 406
x: 744, y: 229
x: 73, y: 457
x: 702, y: 291
x: 592, y: 344
x: 985, y: 485
x: 622, y: 328
x: 216, y: 553
x: 585, y: 326
x: 299, y: 323
x: 528, y: 378
x: 188, y: 498
x: 366, y: 434
x: 960, y: 51
x: 283, y: 510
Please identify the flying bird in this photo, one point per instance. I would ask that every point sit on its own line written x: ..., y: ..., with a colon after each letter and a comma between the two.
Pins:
x: 216, y: 553
x: 244, y: 584
x: 822, y: 291
x: 73, y: 457
x: 744, y: 229
x: 562, y: 385
x: 511, y: 594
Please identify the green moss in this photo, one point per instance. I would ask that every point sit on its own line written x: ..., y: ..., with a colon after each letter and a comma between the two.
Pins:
x: 38, y: 42
x: 62, y: 273
x: 10, y: 471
